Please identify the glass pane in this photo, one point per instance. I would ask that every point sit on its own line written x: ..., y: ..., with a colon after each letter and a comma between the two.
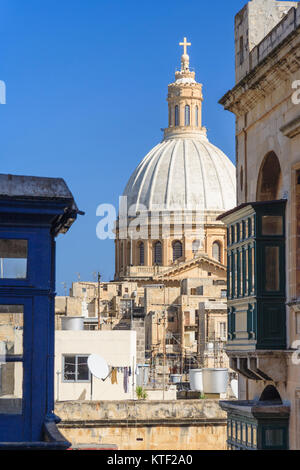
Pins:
x: 272, y: 225
x: 246, y: 272
x: 272, y: 281
x: 253, y: 269
x: 229, y: 429
x: 70, y: 368
x: 238, y: 434
x: 82, y: 368
x: 254, y: 436
x: 11, y: 387
x: 11, y: 330
x: 244, y: 433
x: 249, y: 435
x: 13, y: 259
x: 274, y: 437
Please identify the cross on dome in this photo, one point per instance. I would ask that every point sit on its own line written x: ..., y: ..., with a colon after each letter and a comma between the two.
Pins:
x: 185, y: 45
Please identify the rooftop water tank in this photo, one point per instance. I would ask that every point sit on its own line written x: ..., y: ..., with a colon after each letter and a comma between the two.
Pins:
x: 196, y: 383
x: 215, y: 380
x: 72, y: 323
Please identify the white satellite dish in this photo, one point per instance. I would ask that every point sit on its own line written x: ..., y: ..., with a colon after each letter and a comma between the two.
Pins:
x: 98, y: 366
x: 235, y: 388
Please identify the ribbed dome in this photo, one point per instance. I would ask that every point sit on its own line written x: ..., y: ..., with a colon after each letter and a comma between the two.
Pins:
x: 185, y: 172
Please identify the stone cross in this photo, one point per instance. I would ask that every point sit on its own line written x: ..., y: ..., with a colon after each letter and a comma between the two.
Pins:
x: 185, y: 44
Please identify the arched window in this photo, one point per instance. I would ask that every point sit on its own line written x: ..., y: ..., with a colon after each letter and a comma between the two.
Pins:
x: 269, y: 179
x: 177, y: 250
x: 141, y: 254
x: 196, y: 116
x: 270, y: 393
x: 187, y: 115
x: 216, y: 251
x: 121, y: 255
x: 176, y: 115
x: 196, y: 246
x: 158, y: 253
x: 128, y: 253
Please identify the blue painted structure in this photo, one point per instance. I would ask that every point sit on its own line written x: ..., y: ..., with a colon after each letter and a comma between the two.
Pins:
x: 36, y: 210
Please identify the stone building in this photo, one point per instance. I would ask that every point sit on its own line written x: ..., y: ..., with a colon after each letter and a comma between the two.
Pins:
x: 170, y: 273
x: 263, y: 231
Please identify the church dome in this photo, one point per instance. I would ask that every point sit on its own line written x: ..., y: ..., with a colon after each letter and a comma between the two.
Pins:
x: 185, y: 171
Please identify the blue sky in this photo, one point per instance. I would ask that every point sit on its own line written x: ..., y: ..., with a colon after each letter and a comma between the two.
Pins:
x: 86, y: 97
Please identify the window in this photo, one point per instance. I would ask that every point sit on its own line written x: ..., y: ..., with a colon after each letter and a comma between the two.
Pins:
x: 196, y: 116
x: 223, y: 294
x: 196, y: 246
x: 11, y: 357
x: 141, y: 254
x: 187, y: 318
x: 13, y: 259
x: 158, y: 253
x: 272, y: 276
x: 222, y: 329
x: 187, y: 115
x: 272, y: 225
x: 177, y: 250
x: 241, y: 50
x: 75, y: 368
x: 176, y: 115
x: 216, y: 251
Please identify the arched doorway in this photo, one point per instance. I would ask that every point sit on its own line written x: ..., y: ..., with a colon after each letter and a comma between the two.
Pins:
x: 269, y: 179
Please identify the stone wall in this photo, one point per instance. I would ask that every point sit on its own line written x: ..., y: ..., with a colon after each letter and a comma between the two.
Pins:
x: 144, y: 425
x: 138, y: 325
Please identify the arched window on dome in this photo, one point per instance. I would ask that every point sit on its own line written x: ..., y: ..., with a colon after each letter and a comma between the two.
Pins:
x: 176, y: 115
x: 196, y: 245
x: 196, y: 116
x: 187, y: 115
x: 158, y: 253
x: 128, y: 254
x: 141, y: 248
x: 216, y: 251
x: 177, y: 250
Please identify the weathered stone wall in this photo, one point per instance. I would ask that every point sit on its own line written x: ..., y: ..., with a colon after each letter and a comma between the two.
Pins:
x: 144, y: 425
x: 138, y: 325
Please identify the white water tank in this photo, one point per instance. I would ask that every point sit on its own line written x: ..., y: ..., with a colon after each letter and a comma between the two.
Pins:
x: 196, y: 383
x: 72, y: 323
x: 175, y: 378
x: 215, y: 380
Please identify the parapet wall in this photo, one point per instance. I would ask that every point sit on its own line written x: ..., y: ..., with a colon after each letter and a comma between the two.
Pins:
x: 141, y: 425
x: 286, y: 26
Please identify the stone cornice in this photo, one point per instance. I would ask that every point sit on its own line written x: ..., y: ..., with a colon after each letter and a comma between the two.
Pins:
x: 292, y: 128
x: 278, y: 66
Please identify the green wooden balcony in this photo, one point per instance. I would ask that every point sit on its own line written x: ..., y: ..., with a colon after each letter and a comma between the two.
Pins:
x: 256, y: 276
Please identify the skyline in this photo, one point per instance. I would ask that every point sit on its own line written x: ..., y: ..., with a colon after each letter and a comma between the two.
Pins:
x: 94, y: 131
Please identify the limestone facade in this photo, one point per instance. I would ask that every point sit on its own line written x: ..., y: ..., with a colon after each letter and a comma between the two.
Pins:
x: 139, y: 425
x: 267, y: 113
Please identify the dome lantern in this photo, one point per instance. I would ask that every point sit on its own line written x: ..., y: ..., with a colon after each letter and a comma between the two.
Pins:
x: 185, y: 100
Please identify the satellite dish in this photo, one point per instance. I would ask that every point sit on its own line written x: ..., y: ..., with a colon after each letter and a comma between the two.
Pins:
x: 98, y: 366
x: 234, y: 388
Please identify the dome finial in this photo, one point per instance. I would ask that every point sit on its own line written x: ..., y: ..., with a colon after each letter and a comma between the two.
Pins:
x: 185, y: 59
